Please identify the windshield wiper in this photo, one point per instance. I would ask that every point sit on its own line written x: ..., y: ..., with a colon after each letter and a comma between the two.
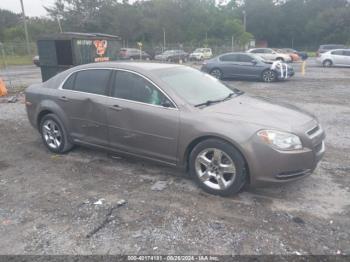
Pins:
x: 210, y: 102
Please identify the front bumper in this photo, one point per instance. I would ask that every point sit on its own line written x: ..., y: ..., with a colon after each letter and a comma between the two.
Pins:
x: 269, y: 165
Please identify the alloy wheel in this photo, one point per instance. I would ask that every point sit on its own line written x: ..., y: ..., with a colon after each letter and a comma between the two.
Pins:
x: 269, y: 76
x: 52, y: 134
x: 327, y: 63
x: 216, y: 73
x: 215, y: 169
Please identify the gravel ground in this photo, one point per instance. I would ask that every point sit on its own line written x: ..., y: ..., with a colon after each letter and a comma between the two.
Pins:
x: 74, y: 204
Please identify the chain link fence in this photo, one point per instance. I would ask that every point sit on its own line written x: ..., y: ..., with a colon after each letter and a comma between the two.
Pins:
x: 14, y: 54
x: 17, y: 70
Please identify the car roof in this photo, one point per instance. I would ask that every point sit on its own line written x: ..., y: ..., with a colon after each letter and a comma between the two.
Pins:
x: 147, y: 69
x: 339, y: 49
x: 235, y: 53
x: 332, y: 45
x: 138, y: 66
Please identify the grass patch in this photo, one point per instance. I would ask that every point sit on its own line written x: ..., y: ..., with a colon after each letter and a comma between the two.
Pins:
x: 16, y: 60
x: 311, y: 54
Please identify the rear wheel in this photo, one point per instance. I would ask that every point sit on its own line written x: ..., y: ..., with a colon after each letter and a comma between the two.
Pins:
x: 280, y: 59
x: 54, y: 135
x: 216, y: 73
x: 268, y: 76
x: 217, y: 167
x: 327, y: 63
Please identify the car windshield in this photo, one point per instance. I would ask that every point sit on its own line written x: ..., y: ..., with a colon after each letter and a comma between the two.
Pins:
x: 194, y: 86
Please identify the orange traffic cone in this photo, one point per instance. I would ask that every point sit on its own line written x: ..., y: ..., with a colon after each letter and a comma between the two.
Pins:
x: 3, y: 89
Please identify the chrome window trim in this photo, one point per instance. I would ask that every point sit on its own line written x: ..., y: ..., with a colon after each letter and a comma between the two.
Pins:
x: 125, y: 70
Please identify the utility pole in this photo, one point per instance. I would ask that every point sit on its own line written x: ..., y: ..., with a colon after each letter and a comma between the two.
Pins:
x: 25, y: 27
x: 244, y: 20
x: 59, y: 24
x: 232, y: 44
x: 164, y: 41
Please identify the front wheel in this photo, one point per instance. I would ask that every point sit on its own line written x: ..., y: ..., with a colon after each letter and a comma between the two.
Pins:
x: 54, y: 135
x: 268, y: 76
x: 216, y: 73
x: 327, y: 63
x: 217, y: 167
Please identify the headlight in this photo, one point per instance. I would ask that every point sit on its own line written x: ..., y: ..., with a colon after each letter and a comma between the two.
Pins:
x: 280, y: 140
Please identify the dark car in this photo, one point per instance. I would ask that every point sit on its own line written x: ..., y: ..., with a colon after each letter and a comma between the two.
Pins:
x: 172, y: 56
x: 178, y: 116
x: 325, y: 48
x: 303, y: 55
x: 133, y: 54
x: 247, y: 66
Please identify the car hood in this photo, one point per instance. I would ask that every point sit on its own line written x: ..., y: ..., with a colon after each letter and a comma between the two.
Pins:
x: 261, y: 112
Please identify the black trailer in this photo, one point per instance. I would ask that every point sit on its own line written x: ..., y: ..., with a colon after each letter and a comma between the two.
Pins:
x: 59, y: 52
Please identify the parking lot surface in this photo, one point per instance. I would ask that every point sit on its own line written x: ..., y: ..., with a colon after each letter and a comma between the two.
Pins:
x: 92, y: 202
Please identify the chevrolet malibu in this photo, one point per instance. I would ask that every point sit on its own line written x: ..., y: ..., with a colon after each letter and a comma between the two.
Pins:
x: 178, y: 116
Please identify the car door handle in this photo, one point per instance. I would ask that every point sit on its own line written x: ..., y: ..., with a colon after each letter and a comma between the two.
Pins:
x: 116, y: 107
x: 63, y: 98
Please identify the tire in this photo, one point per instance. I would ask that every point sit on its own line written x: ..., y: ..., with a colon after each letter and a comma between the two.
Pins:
x: 268, y: 76
x: 54, y: 134
x: 280, y: 59
x: 208, y: 168
x: 327, y: 63
x: 217, y: 73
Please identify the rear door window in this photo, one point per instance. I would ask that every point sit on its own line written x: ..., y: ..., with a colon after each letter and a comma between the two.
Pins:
x: 229, y: 58
x: 94, y: 81
x: 347, y: 52
x: 268, y: 51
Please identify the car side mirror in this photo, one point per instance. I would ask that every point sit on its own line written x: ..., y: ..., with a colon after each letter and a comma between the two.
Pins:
x: 254, y: 62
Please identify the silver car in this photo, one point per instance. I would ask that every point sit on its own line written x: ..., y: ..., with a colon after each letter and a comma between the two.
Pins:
x: 337, y: 57
x: 270, y: 54
x: 179, y: 116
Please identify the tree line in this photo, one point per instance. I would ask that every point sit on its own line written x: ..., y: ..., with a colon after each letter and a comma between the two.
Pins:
x: 302, y: 24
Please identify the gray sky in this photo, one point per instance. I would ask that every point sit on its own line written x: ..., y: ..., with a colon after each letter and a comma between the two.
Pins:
x: 31, y: 7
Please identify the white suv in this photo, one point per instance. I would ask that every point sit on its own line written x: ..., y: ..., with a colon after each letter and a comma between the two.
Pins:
x: 337, y: 57
x: 270, y: 54
x: 201, y: 54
